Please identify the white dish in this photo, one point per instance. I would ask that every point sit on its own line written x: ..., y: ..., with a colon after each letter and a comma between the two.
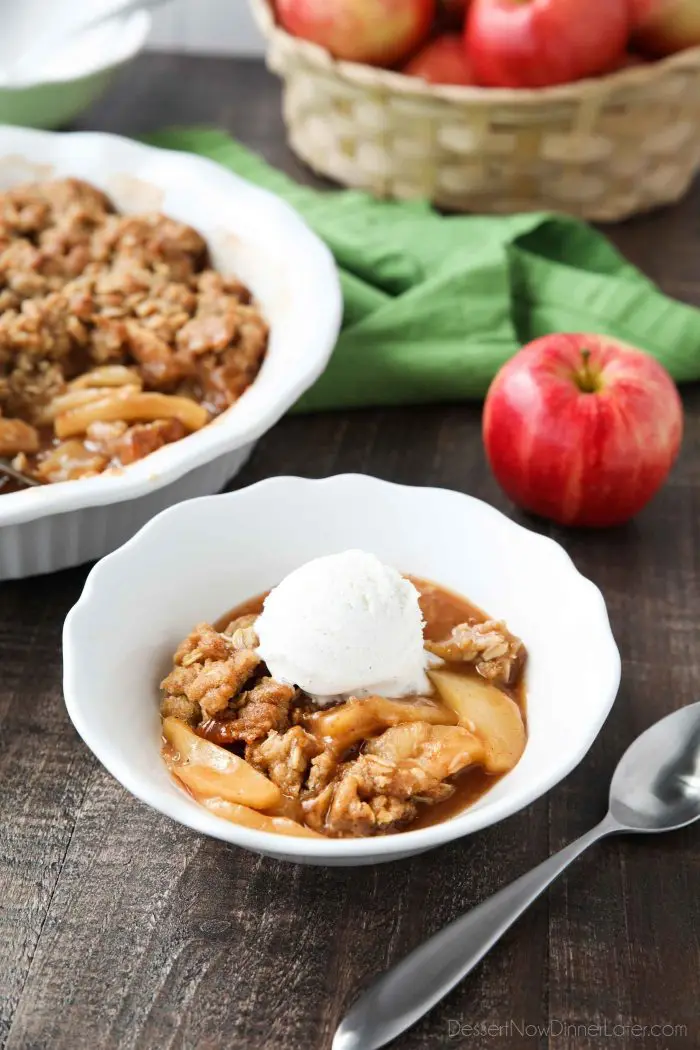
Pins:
x: 199, y: 559
x: 251, y: 233
x: 77, y: 74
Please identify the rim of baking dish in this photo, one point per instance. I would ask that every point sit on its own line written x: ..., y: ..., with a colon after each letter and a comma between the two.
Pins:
x: 256, y: 411
x: 81, y: 618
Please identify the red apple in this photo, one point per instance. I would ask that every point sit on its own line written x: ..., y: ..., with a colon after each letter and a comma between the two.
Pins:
x: 661, y: 27
x: 582, y: 429
x: 376, y: 32
x: 537, y: 43
x: 442, y: 61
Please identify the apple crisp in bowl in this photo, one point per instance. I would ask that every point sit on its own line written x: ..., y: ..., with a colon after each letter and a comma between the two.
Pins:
x: 261, y: 750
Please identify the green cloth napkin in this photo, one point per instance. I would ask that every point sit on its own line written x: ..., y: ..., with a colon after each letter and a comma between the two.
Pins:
x: 435, y: 304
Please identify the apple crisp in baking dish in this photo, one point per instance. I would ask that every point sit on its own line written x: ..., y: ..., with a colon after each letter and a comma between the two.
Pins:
x: 116, y: 335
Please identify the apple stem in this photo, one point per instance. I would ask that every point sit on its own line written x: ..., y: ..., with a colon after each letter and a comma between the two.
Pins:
x: 587, y: 380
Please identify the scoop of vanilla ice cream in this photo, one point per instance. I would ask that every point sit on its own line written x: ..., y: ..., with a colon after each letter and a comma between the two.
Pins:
x: 344, y: 625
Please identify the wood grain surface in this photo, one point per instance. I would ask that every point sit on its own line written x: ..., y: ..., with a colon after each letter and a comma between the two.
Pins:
x: 120, y: 929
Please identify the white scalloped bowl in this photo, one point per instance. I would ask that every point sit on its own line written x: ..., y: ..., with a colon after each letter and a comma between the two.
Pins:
x: 251, y: 233
x: 199, y: 559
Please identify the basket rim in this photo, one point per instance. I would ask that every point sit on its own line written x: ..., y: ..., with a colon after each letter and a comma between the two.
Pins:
x: 413, y: 87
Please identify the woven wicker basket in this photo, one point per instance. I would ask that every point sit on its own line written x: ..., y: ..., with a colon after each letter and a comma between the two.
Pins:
x: 601, y: 149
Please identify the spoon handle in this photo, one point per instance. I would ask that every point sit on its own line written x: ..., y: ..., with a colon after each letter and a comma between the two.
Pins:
x: 412, y: 987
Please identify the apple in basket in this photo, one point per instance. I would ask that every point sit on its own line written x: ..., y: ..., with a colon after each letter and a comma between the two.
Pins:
x: 538, y: 43
x: 375, y: 32
x: 660, y: 27
x: 442, y: 61
x: 582, y: 429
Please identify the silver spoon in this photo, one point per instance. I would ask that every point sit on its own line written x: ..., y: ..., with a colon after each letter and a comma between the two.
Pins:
x: 656, y: 787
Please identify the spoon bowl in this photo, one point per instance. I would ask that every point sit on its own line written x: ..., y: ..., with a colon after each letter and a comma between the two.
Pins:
x: 656, y: 786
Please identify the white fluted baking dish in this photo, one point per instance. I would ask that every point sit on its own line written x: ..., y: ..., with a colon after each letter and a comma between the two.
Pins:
x: 251, y: 233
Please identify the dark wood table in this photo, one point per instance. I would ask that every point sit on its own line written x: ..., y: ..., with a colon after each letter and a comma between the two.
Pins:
x: 121, y: 929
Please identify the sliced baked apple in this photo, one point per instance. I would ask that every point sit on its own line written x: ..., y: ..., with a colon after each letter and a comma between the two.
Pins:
x: 488, y: 713
x: 213, y: 772
x: 437, y: 750
x: 250, y: 818
x: 356, y: 720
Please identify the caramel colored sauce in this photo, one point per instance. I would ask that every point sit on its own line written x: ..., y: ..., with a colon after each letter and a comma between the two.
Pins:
x: 442, y: 610
x: 246, y: 608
